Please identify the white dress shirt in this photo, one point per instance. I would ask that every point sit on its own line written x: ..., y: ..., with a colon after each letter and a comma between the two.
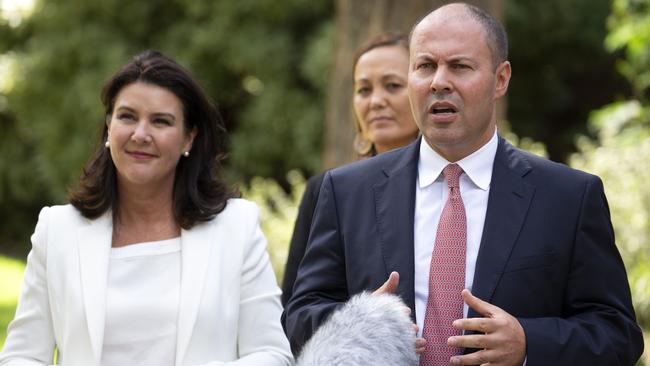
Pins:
x: 142, y: 302
x: 430, y: 197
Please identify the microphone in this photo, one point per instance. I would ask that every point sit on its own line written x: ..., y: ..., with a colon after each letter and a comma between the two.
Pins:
x: 367, y: 330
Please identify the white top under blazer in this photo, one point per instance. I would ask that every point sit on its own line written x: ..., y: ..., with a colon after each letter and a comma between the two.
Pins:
x: 142, y: 297
x: 229, y: 310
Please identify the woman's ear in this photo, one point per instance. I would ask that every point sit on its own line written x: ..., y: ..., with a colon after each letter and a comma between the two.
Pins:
x: 190, y: 141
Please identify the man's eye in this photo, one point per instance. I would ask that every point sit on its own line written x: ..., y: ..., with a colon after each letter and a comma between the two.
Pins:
x: 424, y: 66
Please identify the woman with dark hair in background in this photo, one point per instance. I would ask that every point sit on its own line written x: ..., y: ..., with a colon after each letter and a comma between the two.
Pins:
x: 153, y: 262
x: 383, y: 119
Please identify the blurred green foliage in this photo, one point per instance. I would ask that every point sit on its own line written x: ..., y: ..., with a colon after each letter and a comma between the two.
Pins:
x: 264, y: 62
x: 561, y: 71
x: 278, y: 211
x: 11, y: 272
x: 629, y: 26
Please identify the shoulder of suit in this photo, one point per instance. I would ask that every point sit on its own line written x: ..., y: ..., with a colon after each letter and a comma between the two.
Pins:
x: 546, y: 167
x: 237, y: 210
x: 376, y: 164
x: 314, y: 182
x: 240, y: 205
x: 63, y: 213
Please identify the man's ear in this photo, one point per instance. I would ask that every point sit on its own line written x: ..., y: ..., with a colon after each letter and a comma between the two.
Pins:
x: 503, y: 73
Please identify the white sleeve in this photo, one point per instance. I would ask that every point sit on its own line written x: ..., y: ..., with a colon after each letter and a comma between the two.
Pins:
x: 30, y: 336
x: 261, y: 339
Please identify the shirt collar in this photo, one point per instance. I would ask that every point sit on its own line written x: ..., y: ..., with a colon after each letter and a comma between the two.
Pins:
x: 477, y: 165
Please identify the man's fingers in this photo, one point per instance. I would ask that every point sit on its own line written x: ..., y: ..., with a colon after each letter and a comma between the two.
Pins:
x: 420, y: 345
x: 407, y: 310
x: 484, y: 308
x: 416, y: 329
x: 471, y: 341
x: 390, y: 286
x: 476, y: 358
x: 483, y: 325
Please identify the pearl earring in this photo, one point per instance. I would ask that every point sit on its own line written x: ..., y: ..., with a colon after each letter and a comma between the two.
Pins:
x: 186, y: 154
x: 107, y: 144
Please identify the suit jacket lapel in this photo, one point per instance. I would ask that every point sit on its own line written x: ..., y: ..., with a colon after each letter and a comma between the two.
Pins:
x: 395, y: 207
x: 94, y: 243
x: 195, y: 254
x: 508, y: 202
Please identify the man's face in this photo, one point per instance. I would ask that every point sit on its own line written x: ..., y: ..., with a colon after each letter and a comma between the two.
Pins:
x: 453, y: 85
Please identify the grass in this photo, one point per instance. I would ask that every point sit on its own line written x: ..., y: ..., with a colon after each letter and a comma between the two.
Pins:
x: 11, y: 272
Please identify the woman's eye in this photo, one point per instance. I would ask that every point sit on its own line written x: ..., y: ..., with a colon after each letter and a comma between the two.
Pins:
x: 363, y: 90
x: 162, y: 121
x: 393, y: 86
x: 126, y: 117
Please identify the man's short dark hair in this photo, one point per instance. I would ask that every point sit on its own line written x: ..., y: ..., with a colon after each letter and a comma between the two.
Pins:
x: 497, y: 38
x: 496, y: 33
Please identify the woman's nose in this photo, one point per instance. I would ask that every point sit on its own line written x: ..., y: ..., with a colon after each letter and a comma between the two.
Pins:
x: 141, y: 133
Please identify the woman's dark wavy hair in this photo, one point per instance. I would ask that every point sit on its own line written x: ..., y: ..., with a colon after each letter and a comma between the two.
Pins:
x: 199, y: 193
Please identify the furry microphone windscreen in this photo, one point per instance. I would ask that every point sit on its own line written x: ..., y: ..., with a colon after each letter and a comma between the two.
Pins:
x: 368, y: 330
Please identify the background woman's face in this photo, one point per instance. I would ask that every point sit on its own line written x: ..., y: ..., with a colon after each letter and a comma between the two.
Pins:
x: 380, y: 99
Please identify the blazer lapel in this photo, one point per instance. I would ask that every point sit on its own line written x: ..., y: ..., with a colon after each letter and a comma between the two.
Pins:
x: 195, y: 254
x: 508, y: 202
x: 395, y: 209
x: 94, y: 242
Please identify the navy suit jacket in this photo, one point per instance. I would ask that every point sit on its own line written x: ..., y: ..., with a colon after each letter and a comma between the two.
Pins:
x: 547, y: 254
x: 298, y: 244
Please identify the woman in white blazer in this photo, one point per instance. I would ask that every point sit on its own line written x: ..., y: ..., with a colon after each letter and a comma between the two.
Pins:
x: 153, y: 262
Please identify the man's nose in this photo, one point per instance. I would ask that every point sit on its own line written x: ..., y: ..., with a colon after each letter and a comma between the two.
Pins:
x: 440, y: 82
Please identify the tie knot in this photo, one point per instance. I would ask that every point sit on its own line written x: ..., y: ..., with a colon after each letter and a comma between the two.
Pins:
x: 452, y: 173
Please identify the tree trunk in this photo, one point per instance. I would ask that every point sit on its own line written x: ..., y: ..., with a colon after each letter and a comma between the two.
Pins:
x: 356, y: 21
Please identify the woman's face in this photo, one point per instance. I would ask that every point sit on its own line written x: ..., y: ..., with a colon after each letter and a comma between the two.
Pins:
x: 381, y: 102
x: 147, y: 136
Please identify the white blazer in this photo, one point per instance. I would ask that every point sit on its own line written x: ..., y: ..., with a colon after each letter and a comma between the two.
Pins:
x: 229, y: 310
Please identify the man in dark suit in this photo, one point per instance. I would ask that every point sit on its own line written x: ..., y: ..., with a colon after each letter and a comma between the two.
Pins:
x: 461, y: 209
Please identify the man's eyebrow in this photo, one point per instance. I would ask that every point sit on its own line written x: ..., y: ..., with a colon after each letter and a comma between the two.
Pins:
x: 461, y: 59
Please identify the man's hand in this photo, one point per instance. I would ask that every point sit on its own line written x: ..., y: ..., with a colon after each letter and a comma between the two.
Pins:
x: 503, y: 341
x: 389, y: 287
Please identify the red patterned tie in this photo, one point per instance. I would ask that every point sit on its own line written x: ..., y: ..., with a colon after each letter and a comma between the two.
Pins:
x: 446, y: 276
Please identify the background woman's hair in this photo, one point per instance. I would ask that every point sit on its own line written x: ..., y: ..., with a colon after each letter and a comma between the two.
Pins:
x: 199, y: 193
x: 363, y: 147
